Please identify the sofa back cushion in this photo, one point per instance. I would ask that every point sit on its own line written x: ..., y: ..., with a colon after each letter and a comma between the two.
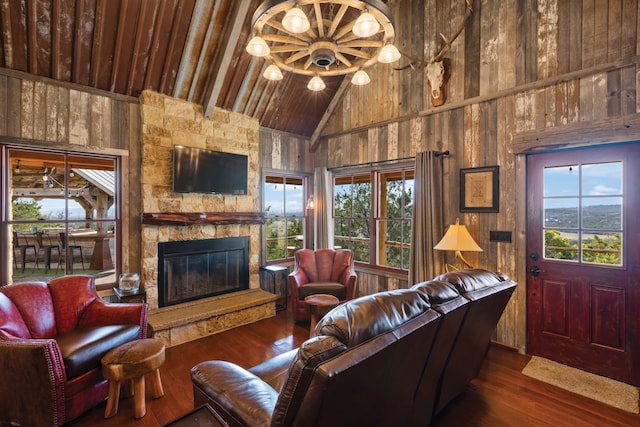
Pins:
x: 488, y: 294
x: 363, y: 366
x: 445, y: 299
x: 33, y: 302
x: 70, y: 296
x: 11, y: 323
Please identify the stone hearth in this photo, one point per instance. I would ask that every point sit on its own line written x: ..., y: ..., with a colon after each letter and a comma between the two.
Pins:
x: 178, y: 324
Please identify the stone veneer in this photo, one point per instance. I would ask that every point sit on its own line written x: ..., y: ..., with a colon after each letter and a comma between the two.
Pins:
x: 167, y: 122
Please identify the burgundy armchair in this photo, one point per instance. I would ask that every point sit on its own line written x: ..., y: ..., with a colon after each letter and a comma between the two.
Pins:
x: 321, y: 271
x: 52, y: 337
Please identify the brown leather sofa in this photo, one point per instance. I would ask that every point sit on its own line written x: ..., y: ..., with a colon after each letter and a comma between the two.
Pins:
x: 321, y: 271
x: 382, y: 359
x: 52, y: 337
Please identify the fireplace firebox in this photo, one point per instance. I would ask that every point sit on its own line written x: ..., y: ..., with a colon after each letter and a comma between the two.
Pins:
x: 194, y: 269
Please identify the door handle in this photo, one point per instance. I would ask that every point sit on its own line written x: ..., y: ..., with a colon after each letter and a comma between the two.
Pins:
x: 535, y: 270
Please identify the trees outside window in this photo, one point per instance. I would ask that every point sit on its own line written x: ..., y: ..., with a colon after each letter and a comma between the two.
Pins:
x: 284, y: 202
x: 372, y: 216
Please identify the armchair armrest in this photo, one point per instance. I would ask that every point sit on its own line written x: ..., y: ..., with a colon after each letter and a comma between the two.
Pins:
x: 32, y: 371
x: 240, y: 397
x: 100, y: 313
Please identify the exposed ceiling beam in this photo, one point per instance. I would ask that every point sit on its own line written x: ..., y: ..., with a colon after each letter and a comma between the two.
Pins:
x: 222, y: 64
x: 335, y: 101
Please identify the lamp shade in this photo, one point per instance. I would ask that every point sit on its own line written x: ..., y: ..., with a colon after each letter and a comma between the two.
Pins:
x: 389, y: 54
x: 366, y: 25
x: 360, y: 78
x: 295, y: 21
x: 258, y: 47
x: 316, y: 84
x: 457, y: 238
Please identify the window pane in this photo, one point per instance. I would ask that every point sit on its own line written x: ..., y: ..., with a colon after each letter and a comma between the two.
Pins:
x: 602, y: 179
x: 342, y: 200
x: 561, y: 244
x: 284, y: 202
x: 561, y: 213
x: 294, y: 200
x: 274, y: 198
x: 408, y: 194
x: 561, y: 181
x: 342, y: 228
x: 361, y: 200
x: 360, y: 250
x: 68, y: 197
x: 602, y: 213
x: 602, y: 248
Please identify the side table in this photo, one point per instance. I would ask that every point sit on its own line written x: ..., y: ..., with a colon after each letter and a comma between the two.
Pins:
x: 273, y: 278
x: 319, y: 305
x: 139, y: 295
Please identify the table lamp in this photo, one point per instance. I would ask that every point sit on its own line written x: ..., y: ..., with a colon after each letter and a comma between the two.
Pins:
x: 457, y: 238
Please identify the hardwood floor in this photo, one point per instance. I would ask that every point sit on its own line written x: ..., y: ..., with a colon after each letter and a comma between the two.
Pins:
x: 500, y: 396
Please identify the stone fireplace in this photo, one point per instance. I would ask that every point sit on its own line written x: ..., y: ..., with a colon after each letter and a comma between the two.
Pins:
x: 194, y: 269
x: 170, y: 217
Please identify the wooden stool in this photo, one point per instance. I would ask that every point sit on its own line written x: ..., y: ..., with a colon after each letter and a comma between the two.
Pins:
x: 319, y: 305
x: 133, y: 361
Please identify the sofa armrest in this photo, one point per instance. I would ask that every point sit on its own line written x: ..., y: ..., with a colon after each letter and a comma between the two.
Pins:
x: 240, y: 397
x: 275, y: 370
x: 32, y: 371
x: 99, y: 313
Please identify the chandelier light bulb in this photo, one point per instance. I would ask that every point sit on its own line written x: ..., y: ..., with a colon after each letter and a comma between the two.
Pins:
x: 389, y: 54
x: 316, y: 84
x: 366, y: 25
x: 272, y: 72
x: 258, y: 47
x: 295, y: 21
x: 360, y: 78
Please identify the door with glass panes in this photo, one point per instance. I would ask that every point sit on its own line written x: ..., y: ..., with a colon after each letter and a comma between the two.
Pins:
x: 583, y: 256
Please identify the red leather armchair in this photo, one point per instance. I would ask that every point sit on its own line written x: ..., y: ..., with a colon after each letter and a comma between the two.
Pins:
x: 321, y: 271
x: 52, y: 337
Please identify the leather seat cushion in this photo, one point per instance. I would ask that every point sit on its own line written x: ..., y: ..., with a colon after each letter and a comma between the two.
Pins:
x: 82, y: 349
x: 332, y: 288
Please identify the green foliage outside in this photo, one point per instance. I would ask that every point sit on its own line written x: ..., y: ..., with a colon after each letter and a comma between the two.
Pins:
x: 283, y: 236
x: 604, y: 248
x: 352, y: 212
x: 25, y: 210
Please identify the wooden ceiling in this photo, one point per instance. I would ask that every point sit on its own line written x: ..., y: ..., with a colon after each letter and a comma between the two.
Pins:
x: 189, y: 49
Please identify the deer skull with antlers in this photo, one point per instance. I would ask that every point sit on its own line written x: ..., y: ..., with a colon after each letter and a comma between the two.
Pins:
x: 437, y: 69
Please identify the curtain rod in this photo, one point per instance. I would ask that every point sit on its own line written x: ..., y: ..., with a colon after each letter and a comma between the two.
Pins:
x: 380, y: 162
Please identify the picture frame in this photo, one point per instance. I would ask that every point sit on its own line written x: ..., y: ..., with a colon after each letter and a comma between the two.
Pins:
x: 480, y: 189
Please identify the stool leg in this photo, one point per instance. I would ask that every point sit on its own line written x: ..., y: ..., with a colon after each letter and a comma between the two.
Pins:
x: 138, y: 397
x: 112, y: 400
x: 156, y: 384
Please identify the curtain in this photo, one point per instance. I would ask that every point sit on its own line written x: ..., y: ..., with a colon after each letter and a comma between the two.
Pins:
x: 428, y: 222
x: 323, y: 215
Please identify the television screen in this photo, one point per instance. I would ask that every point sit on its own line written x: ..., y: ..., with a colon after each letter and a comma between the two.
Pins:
x: 197, y: 170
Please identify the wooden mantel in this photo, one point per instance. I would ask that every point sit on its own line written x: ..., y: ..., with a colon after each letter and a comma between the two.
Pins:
x: 196, y: 218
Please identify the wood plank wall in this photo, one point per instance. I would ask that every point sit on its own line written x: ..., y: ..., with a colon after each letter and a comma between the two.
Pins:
x: 520, y: 68
x: 45, y: 113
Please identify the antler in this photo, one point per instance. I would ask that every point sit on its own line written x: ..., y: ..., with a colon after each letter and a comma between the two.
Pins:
x: 416, y: 63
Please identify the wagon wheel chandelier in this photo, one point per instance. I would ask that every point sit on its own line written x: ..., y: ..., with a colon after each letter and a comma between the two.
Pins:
x: 321, y: 38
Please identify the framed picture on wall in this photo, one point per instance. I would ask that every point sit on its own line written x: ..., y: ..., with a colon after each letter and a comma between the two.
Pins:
x: 480, y: 189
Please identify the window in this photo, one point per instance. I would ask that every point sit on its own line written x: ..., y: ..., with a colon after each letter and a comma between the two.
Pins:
x: 583, y: 213
x: 372, y: 215
x: 61, y: 215
x: 284, y: 201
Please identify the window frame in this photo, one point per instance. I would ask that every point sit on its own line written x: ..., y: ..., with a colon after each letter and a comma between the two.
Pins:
x: 6, y: 202
x: 375, y: 219
x: 305, y: 179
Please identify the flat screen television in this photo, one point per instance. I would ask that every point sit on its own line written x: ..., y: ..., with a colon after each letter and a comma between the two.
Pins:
x: 197, y: 170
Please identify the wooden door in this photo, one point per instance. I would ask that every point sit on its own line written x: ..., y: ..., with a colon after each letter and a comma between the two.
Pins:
x: 583, y: 246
